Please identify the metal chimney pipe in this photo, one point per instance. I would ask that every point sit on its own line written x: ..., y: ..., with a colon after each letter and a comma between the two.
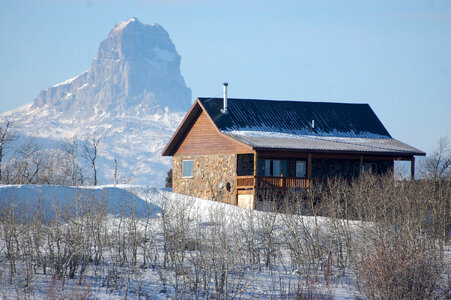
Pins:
x: 224, y: 107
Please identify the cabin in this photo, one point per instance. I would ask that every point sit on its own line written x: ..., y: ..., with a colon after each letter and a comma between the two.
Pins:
x: 230, y: 149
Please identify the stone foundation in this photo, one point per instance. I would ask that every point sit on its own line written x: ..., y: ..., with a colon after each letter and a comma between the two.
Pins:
x: 213, y: 177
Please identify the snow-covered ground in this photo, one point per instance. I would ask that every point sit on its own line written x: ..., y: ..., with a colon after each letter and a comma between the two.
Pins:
x: 155, y: 244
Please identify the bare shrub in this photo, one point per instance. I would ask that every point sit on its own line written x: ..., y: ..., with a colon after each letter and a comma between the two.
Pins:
x: 176, y: 227
x: 406, y: 269
x: 7, y: 136
x: 437, y: 165
x: 398, y: 253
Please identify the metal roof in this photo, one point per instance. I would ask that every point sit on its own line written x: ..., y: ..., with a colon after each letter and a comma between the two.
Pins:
x: 287, y: 125
x: 387, y: 146
x: 295, y: 117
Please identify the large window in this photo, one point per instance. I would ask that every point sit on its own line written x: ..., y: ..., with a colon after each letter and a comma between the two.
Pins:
x: 301, y: 168
x: 272, y: 167
x: 187, y: 169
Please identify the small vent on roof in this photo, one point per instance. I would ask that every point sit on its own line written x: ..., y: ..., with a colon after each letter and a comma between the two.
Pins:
x: 313, y: 124
x: 224, y: 106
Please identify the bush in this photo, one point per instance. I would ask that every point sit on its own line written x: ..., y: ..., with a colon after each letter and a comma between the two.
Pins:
x: 407, y: 269
x: 168, y: 180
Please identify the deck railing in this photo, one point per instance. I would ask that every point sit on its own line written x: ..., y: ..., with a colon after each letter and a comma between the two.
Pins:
x: 247, y: 182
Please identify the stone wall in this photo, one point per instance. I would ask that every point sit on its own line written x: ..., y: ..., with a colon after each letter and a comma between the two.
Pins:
x: 213, y: 177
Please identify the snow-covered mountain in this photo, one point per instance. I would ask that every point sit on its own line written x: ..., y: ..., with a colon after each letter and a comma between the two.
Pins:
x: 134, y: 95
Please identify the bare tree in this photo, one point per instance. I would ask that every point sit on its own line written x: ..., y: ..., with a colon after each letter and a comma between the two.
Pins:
x: 6, y: 137
x: 438, y: 164
x: 70, y: 149
x: 115, y: 172
x: 90, y: 152
x: 28, y: 162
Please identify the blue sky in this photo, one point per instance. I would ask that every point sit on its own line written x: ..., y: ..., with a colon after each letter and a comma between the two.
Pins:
x: 394, y: 55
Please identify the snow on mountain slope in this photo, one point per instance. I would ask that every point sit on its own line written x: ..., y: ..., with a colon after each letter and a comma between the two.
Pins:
x: 133, y: 95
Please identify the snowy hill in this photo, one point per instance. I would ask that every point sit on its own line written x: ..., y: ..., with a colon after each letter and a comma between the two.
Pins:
x: 133, y: 95
x: 139, y: 242
x: 157, y: 211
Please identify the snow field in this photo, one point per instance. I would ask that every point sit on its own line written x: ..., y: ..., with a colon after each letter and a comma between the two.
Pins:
x: 140, y: 242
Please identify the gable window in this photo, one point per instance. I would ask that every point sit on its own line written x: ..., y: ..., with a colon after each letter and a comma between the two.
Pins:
x: 187, y: 168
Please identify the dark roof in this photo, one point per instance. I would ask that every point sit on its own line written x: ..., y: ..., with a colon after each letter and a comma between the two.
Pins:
x: 295, y: 117
x: 286, y: 125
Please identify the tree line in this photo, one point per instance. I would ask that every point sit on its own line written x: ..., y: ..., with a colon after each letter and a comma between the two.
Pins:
x: 71, y: 162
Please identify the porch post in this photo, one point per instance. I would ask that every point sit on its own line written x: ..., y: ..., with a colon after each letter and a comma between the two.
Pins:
x: 255, y: 178
x: 412, y: 168
x: 361, y: 165
x: 309, y: 167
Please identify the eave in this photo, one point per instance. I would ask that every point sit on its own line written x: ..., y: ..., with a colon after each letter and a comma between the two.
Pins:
x: 183, y: 129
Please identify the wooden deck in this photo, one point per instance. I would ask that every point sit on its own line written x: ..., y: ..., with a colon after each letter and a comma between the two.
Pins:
x: 246, y: 183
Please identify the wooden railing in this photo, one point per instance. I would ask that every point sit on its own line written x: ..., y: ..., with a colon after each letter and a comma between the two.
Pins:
x: 247, y: 182
x: 282, y: 182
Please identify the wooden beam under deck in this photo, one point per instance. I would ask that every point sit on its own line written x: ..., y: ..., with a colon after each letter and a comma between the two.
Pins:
x: 305, y: 155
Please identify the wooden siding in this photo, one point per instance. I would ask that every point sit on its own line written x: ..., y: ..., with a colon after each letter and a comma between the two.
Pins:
x: 203, y: 138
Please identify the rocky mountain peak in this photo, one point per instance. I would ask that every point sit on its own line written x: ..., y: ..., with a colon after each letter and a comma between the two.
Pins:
x: 132, y: 40
x: 137, y: 65
x: 133, y: 95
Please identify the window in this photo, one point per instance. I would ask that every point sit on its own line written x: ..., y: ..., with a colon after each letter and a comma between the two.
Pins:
x: 276, y: 168
x: 272, y: 167
x: 187, y: 169
x: 300, y: 168
x: 370, y: 167
x: 267, y: 167
x: 367, y: 167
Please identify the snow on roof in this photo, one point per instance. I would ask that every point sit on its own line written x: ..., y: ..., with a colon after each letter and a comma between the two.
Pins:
x: 301, y: 125
x: 297, y: 126
x: 296, y: 117
x: 274, y: 141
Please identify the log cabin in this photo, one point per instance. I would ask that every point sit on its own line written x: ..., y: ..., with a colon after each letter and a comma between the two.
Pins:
x: 230, y: 149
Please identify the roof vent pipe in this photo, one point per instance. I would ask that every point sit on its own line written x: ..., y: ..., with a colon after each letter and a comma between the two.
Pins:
x: 313, y: 124
x: 224, y: 107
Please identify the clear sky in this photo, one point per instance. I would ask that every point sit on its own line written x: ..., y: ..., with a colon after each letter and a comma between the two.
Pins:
x: 394, y: 55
